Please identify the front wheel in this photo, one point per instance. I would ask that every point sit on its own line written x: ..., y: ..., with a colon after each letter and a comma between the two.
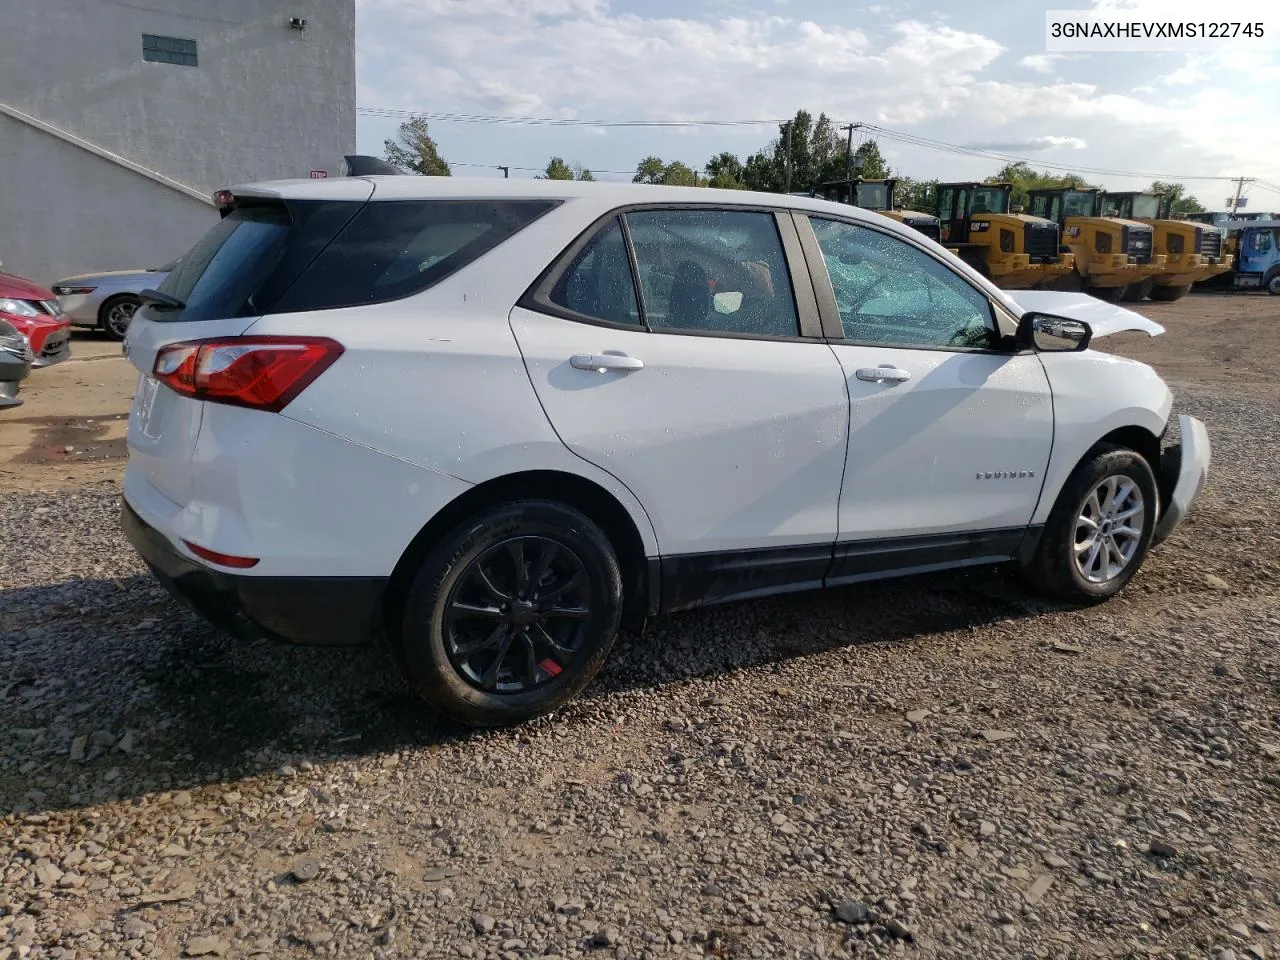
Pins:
x: 512, y: 614
x: 1100, y: 529
x: 1137, y: 292
x: 116, y: 315
x: 1272, y: 282
x: 1169, y: 294
x: 1109, y: 294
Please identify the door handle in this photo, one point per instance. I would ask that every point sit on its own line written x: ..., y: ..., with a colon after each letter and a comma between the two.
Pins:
x: 605, y: 362
x: 885, y: 373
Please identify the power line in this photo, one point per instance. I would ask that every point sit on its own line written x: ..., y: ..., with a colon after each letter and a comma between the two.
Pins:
x: 915, y: 140
x: 888, y: 134
x: 556, y: 121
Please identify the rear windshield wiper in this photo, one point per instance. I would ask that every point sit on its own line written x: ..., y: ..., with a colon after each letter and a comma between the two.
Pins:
x: 161, y: 301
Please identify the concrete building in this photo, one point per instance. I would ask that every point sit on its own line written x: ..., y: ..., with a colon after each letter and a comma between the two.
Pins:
x: 119, y: 120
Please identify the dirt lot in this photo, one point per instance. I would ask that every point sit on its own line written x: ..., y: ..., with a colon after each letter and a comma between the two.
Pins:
x: 941, y: 767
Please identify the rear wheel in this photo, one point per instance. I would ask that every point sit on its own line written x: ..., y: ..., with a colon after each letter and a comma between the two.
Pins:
x: 116, y: 314
x: 1099, y: 531
x: 1137, y: 292
x: 1167, y: 294
x: 512, y: 614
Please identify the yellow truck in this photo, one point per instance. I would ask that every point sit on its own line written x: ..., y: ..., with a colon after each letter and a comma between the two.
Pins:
x: 877, y: 195
x: 1193, y: 252
x: 1111, y: 254
x: 1014, y: 250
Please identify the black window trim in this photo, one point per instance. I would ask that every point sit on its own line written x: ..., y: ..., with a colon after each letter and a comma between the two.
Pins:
x: 537, y: 297
x: 832, y: 324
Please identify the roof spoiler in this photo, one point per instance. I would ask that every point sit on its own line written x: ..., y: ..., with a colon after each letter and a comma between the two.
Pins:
x: 358, y: 165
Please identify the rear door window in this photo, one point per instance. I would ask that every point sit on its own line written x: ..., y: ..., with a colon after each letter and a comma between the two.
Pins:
x: 713, y: 271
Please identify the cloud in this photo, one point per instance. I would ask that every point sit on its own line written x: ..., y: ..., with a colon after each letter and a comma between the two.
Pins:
x: 1041, y: 62
x: 586, y: 59
x: 1033, y: 145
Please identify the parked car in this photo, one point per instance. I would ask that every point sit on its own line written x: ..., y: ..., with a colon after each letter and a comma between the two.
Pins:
x: 35, y: 313
x: 108, y: 300
x: 499, y: 419
x: 15, y: 364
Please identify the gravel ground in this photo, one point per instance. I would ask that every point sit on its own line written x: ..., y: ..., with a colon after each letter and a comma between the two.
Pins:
x: 939, y: 767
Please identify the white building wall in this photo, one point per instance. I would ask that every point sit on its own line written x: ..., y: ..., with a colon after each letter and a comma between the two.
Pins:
x: 79, y: 213
x: 265, y: 102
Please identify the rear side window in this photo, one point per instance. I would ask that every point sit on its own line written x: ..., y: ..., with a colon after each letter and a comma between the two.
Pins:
x: 279, y: 257
x: 394, y: 248
x: 598, y: 283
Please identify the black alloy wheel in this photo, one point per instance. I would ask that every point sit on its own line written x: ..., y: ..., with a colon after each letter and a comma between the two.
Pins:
x: 518, y: 614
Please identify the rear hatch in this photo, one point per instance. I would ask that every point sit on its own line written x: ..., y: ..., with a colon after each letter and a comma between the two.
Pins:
x: 221, y: 287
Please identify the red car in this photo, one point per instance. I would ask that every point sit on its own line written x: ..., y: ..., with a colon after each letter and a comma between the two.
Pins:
x: 35, y: 312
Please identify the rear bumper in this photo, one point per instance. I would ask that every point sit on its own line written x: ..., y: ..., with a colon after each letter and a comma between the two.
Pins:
x: 1191, y: 471
x: 315, y: 611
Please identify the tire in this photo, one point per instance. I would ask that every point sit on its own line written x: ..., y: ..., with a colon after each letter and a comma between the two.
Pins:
x: 1070, y: 282
x: 114, y: 315
x: 542, y: 662
x: 1271, y: 282
x: 1054, y: 568
x: 1137, y: 292
x: 1169, y: 294
x: 1108, y: 294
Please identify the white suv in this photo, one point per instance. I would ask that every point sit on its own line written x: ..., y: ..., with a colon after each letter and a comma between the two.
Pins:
x: 498, y: 420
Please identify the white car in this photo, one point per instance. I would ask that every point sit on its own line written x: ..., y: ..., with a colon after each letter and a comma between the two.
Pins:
x: 500, y: 419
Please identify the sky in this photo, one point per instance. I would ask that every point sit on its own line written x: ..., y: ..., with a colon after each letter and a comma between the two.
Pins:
x: 973, y: 74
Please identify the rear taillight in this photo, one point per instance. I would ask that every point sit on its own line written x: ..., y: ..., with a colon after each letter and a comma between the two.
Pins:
x: 264, y: 373
x: 221, y: 559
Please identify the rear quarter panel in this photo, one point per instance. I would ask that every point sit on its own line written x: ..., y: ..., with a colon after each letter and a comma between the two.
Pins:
x: 1095, y: 393
x: 437, y: 379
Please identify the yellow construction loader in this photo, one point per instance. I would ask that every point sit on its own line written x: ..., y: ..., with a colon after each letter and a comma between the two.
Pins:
x: 1013, y: 249
x: 1193, y: 252
x: 877, y: 195
x: 1111, y: 254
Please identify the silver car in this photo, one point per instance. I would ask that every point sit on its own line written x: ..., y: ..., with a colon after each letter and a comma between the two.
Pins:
x: 107, y: 300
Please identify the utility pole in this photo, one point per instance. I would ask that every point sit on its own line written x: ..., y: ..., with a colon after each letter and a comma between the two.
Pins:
x: 848, y: 150
x: 506, y: 172
x: 790, y: 124
x: 1239, y: 182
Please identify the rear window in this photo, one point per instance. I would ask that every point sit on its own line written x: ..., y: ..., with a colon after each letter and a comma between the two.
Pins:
x: 301, y: 256
x: 395, y: 248
x: 219, y: 275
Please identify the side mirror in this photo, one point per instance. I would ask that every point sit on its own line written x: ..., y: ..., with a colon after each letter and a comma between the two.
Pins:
x: 1049, y: 334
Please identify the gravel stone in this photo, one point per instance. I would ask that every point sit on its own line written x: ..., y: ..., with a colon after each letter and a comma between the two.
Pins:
x: 804, y: 776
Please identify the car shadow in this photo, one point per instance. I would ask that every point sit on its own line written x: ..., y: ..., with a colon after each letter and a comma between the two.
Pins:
x: 112, y: 690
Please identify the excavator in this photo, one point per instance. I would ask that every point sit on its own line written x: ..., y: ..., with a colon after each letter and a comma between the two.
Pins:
x: 877, y: 195
x: 1111, y: 254
x: 1014, y: 250
x: 1193, y: 252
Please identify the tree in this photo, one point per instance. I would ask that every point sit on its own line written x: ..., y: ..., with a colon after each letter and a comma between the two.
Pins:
x: 582, y: 172
x: 1183, y: 202
x: 649, y: 170
x: 673, y: 174
x: 868, y: 162
x: 918, y: 195
x: 414, y: 149
x: 1024, y: 178
x: 724, y: 172
x: 557, y: 169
